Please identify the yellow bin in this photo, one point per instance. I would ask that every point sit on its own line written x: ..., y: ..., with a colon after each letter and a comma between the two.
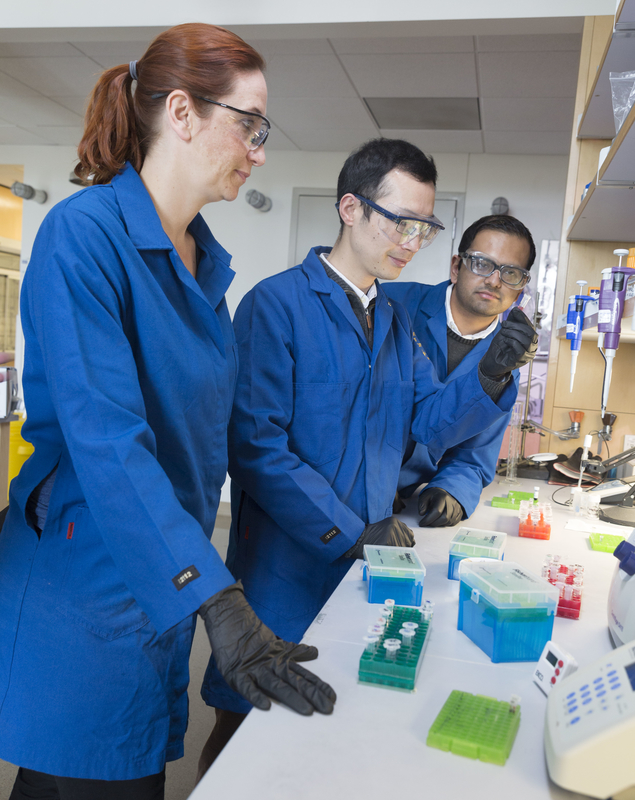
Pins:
x: 19, y: 449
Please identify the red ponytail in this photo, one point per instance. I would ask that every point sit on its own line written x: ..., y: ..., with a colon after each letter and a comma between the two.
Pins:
x: 121, y: 125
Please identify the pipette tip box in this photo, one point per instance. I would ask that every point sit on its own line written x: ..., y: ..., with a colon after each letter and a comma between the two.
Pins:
x: 475, y: 726
x: 395, y: 572
x: 470, y: 543
x: 512, y: 500
x: 400, y: 670
x: 604, y: 542
x: 505, y: 610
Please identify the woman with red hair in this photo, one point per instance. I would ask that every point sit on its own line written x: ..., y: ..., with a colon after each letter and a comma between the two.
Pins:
x: 130, y: 365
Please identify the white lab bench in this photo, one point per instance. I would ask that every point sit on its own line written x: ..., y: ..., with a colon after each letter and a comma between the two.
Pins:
x: 374, y: 744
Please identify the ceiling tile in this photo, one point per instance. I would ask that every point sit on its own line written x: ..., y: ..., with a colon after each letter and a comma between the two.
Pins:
x: 330, y: 139
x: 321, y: 113
x: 548, y: 143
x: 14, y: 135
x: 9, y: 87
x: 54, y: 75
x: 527, y: 113
x: 37, y: 49
x: 55, y: 134
x: 413, y: 75
x: 278, y: 141
x: 75, y: 104
x: 405, y: 44
x: 532, y: 43
x: 307, y: 76
x: 440, y: 141
x: 426, y: 113
x: 528, y: 74
x: 301, y: 47
x: 28, y: 111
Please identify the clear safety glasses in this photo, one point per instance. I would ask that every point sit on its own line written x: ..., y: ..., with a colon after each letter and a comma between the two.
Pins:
x: 483, y: 265
x: 251, y: 128
x: 402, y: 230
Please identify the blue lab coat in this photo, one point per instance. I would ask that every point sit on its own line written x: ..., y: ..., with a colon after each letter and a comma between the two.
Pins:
x: 317, y: 436
x: 463, y: 470
x: 129, y: 374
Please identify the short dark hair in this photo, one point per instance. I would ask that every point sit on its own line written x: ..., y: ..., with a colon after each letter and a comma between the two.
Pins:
x: 503, y: 223
x: 364, y: 171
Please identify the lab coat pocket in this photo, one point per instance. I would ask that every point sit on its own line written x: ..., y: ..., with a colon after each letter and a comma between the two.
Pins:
x: 398, y: 401
x: 317, y: 433
x: 92, y: 592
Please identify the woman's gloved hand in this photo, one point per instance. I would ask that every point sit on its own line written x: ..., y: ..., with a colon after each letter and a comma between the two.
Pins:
x: 389, y: 531
x: 438, y: 508
x: 257, y: 663
x: 515, y: 344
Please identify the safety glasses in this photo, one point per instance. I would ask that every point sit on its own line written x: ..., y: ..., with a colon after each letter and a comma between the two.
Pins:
x: 402, y: 230
x: 251, y: 128
x: 483, y: 265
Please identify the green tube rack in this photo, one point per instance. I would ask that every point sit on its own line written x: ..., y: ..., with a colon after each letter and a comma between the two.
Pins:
x: 401, y: 672
x: 476, y: 726
x: 604, y: 542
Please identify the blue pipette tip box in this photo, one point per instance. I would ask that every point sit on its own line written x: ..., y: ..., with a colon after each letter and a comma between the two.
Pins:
x: 472, y: 542
x: 395, y: 572
x: 505, y: 610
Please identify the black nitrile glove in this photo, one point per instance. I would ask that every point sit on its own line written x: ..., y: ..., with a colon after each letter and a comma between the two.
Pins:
x: 389, y: 531
x: 438, y: 508
x: 515, y: 344
x: 257, y: 663
x: 398, y: 504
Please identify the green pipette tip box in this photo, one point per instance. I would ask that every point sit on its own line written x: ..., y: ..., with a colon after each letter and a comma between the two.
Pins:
x: 400, y: 672
x: 505, y: 502
x: 605, y: 542
x: 475, y: 726
x: 520, y: 495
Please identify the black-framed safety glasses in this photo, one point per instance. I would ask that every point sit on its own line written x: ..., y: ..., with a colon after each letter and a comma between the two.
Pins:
x: 255, y: 127
x: 483, y: 265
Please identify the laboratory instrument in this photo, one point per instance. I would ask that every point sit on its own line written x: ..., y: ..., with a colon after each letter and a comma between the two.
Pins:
x: 590, y: 727
x: 553, y: 667
x: 513, y: 449
x: 624, y: 513
x: 534, y: 519
x: 8, y: 393
x: 505, y: 610
x: 470, y: 542
x: 610, y: 310
x: 610, y: 489
x: 395, y: 572
x: 394, y: 658
x: 575, y: 324
x: 475, y: 726
x: 621, y: 605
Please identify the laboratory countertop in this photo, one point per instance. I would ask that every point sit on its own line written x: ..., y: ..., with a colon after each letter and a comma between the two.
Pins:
x: 374, y: 744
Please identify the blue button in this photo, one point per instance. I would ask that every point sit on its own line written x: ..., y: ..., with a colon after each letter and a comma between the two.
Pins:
x: 572, y: 709
x: 598, y: 680
x: 585, y: 694
x: 619, y: 696
x: 612, y: 680
x: 600, y: 694
x: 574, y: 720
x: 586, y: 686
x: 571, y: 694
x: 586, y: 702
x: 590, y: 711
x: 612, y: 672
x: 616, y: 686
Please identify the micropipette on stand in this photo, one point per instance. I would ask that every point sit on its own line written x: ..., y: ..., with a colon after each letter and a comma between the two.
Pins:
x: 575, y: 323
x: 610, y: 310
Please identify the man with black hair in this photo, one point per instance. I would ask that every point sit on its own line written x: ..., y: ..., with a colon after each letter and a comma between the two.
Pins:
x: 331, y: 384
x: 456, y: 322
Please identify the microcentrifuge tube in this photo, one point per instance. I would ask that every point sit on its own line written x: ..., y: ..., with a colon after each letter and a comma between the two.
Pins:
x: 392, y: 646
x: 568, y: 592
x: 412, y: 625
x: 389, y: 603
x: 407, y: 637
x: 514, y: 702
x: 371, y: 643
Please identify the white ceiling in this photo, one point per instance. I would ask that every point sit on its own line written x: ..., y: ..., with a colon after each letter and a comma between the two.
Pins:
x: 525, y: 83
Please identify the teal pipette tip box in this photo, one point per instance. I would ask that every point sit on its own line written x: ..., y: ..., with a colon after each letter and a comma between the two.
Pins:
x: 395, y: 572
x: 475, y: 726
x: 474, y: 543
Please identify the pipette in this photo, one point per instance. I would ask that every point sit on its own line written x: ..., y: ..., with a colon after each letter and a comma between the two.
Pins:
x: 611, y: 308
x: 588, y: 441
x: 575, y: 323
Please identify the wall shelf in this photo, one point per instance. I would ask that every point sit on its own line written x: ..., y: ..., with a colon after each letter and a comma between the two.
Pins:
x: 619, y: 56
